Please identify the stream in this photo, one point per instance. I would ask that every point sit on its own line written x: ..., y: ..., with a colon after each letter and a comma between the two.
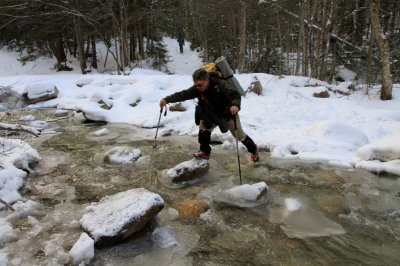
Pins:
x: 314, y: 214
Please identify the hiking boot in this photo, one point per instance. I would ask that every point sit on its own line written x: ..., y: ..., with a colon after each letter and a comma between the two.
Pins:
x: 201, y: 155
x: 255, y: 157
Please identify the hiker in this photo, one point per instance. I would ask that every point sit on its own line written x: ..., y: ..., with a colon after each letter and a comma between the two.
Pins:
x: 181, y: 41
x: 218, y: 105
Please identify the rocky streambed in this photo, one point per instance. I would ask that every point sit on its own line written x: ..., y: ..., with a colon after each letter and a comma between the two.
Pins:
x: 311, y: 215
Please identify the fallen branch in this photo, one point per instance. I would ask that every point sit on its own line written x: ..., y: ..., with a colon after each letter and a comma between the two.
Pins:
x: 6, y: 204
x: 16, y: 127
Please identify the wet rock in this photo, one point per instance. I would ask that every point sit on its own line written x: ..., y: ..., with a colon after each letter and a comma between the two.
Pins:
x: 119, y: 216
x: 60, y: 113
x: 191, y: 209
x: 39, y: 124
x: 120, y: 155
x: 187, y: 170
x: 105, y: 105
x: 177, y: 108
x: 332, y: 203
x: 40, y: 91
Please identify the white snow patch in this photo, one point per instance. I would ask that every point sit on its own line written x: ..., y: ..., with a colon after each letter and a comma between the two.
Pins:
x: 83, y: 250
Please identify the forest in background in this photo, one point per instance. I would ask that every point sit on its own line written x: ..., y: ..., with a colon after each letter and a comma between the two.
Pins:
x: 284, y: 37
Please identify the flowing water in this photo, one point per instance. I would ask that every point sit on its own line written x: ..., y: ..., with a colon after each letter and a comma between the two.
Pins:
x: 313, y: 216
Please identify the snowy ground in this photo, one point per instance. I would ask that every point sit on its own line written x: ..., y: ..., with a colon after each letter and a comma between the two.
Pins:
x: 354, y: 131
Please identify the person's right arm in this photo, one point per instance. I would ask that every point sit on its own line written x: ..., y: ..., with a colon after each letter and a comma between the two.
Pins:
x: 181, y: 96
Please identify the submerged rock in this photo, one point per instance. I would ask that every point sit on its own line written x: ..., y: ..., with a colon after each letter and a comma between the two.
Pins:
x: 187, y: 170
x: 191, y: 209
x: 119, y: 216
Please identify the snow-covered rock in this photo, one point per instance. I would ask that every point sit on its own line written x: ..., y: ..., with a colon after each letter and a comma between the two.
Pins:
x: 27, y: 118
x: 101, y: 132
x: 248, y: 192
x: 61, y: 113
x: 82, y: 250
x: 385, y: 149
x: 118, y: 216
x: 40, y: 91
x: 187, y: 170
x: 39, y: 124
x: 120, y: 155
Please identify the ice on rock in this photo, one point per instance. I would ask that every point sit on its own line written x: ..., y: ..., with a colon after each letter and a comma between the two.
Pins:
x: 82, y: 250
x: 164, y: 237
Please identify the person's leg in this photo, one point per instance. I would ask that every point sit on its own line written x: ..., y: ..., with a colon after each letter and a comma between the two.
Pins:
x: 243, y: 137
x: 204, y: 140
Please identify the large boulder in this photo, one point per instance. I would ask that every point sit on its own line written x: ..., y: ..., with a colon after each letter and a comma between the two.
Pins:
x: 187, y: 171
x: 39, y: 92
x: 119, y: 216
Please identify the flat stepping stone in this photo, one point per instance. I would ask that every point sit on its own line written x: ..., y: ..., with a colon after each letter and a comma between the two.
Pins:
x: 119, y: 216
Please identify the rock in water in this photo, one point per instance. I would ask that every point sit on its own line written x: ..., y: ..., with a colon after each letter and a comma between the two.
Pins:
x: 243, y: 196
x: 118, y: 216
x: 187, y: 170
x: 248, y: 192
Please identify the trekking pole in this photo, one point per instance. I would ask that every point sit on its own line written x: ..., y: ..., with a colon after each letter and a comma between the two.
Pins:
x: 158, y: 125
x: 155, y: 139
x: 237, y: 148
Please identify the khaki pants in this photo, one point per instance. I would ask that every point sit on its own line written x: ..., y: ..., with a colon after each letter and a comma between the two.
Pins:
x: 231, y: 126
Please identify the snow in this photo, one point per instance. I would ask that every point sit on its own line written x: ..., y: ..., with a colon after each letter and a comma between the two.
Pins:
x: 112, y: 213
x: 82, y: 250
x: 385, y: 149
x: 353, y: 131
x: 7, y: 233
x: 15, y: 156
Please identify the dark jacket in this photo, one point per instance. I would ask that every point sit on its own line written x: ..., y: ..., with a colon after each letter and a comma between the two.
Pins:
x: 220, y: 95
x: 213, y: 104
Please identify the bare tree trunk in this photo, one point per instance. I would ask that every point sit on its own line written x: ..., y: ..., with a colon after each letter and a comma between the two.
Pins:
x: 79, y: 40
x: 383, y: 47
x: 94, y: 53
x: 304, y: 37
x: 242, y: 37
